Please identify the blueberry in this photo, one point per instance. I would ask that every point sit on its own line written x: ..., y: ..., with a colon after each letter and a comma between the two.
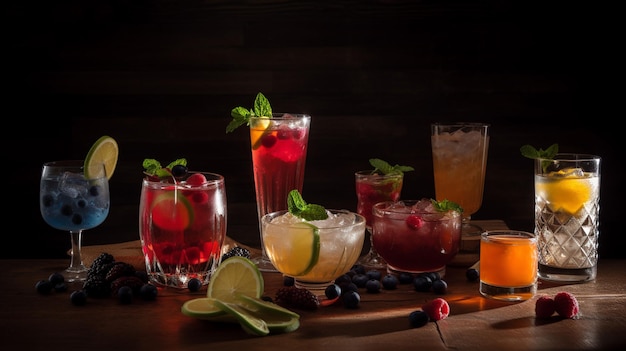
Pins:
x: 125, y: 295
x: 56, y: 278
x: 472, y: 274
x: 351, y: 299
x: 373, y: 286
x: 390, y: 282
x: 345, y: 278
x: 44, y: 286
x: 194, y: 284
x: 418, y: 319
x: 142, y: 275
x: 95, y: 190
x: 289, y: 281
x: 78, y: 298
x: 422, y: 283
x: 440, y: 286
x: 60, y: 287
x: 405, y: 278
x: 267, y: 298
x: 358, y: 268
x: 374, y: 274
x: 434, y: 276
x: 347, y: 287
x: 179, y: 170
x: 360, y: 280
x: 148, y: 292
x: 332, y: 291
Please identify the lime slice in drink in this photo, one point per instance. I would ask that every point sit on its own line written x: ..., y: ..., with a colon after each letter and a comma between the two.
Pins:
x: 235, y: 276
x: 204, y: 308
x: 172, y: 211
x: 296, y: 251
x: 258, y: 128
x: 249, y: 322
x: 104, y: 150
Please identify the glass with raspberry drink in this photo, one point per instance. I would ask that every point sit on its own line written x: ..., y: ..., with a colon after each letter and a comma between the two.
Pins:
x: 279, y: 147
x: 373, y: 187
x: 182, y: 226
x: 416, y: 235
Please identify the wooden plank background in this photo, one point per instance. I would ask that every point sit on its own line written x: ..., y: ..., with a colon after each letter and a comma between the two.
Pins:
x: 161, y: 77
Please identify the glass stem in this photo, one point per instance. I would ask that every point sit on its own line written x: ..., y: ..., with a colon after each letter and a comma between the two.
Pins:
x: 76, y: 262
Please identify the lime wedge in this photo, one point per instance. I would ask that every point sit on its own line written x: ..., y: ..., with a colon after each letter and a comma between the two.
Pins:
x: 296, y: 250
x: 261, y: 306
x: 104, y: 150
x: 171, y: 210
x: 235, y: 276
x: 250, y: 323
x: 204, y: 308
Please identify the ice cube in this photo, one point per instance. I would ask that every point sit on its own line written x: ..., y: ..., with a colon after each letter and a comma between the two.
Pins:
x: 568, y: 173
x: 73, y: 185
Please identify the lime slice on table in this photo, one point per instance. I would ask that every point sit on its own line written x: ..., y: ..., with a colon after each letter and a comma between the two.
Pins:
x: 204, y: 308
x: 172, y: 211
x: 235, y: 276
x: 248, y: 321
x: 277, y: 318
x: 297, y: 250
x: 104, y: 150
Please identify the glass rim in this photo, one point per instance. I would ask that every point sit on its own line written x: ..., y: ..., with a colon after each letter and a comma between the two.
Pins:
x: 368, y: 173
x: 571, y: 156
x: 283, y: 116
x: 67, y: 163
x: 376, y: 208
x: 461, y: 124
x: 360, y: 220
x: 509, y: 232
x: 218, y: 178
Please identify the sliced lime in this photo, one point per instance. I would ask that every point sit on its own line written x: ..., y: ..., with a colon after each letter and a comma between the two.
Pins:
x: 105, y: 150
x: 248, y: 321
x: 264, y: 307
x: 203, y: 308
x: 296, y: 250
x: 171, y: 210
x: 235, y: 276
x: 258, y: 128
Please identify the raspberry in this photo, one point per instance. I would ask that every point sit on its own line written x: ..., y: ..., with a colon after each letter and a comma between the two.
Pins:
x: 566, y: 305
x: 414, y: 222
x: 437, y: 309
x: 544, y: 307
x: 291, y: 296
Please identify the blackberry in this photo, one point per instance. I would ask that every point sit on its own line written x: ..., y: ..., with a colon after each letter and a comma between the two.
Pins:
x: 131, y: 281
x: 295, y: 297
x: 97, y: 287
x: 118, y: 270
x: 236, y: 251
x: 100, y: 271
x: 101, y: 260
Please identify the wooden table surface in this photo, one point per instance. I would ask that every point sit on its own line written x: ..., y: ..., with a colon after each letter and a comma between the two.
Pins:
x: 33, y: 321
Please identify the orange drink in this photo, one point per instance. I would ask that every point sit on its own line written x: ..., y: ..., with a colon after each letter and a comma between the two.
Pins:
x: 508, y: 265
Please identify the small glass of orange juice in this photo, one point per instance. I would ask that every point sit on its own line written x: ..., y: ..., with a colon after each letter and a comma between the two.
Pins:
x: 508, y: 265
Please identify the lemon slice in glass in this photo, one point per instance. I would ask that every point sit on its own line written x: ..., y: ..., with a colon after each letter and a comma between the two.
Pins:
x: 568, y: 194
x: 258, y: 128
x: 105, y: 150
x: 235, y: 276
x: 295, y: 248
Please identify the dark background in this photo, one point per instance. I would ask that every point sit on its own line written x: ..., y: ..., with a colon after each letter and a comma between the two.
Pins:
x: 162, y: 76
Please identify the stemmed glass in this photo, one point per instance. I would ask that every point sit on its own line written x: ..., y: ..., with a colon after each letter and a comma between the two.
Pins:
x: 373, y: 187
x: 72, y: 201
x: 459, y: 163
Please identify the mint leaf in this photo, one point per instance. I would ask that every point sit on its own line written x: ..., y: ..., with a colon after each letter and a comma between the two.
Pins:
x: 299, y: 208
x: 241, y: 115
x: 153, y: 167
x: 446, y: 205
x: 530, y: 151
x: 384, y: 167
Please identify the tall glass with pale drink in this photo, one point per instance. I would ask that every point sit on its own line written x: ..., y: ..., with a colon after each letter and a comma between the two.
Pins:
x: 459, y: 153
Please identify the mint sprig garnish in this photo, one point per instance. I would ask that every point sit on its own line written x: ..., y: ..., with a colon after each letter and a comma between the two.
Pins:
x: 299, y: 208
x: 530, y: 151
x: 241, y: 115
x: 384, y: 167
x: 154, y: 168
x: 446, y: 205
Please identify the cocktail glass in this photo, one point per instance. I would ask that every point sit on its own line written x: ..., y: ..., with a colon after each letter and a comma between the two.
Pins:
x: 372, y: 188
x: 316, y: 252
x: 508, y: 265
x: 567, y: 206
x: 182, y: 227
x: 459, y: 163
x: 413, y: 236
x: 279, y: 147
x: 71, y: 202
